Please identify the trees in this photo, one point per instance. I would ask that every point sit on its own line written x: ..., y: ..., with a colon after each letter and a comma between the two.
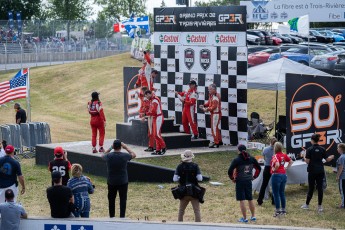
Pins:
x: 28, y: 8
x: 117, y: 8
x: 163, y: 4
x: 217, y: 3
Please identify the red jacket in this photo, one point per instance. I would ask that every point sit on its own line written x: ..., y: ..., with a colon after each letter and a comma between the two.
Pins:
x: 190, y: 97
x: 95, y: 109
x: 155, y: 109
x: 213, y: 105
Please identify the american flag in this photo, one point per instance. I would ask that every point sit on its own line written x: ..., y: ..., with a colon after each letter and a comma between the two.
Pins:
x: 15, y: 88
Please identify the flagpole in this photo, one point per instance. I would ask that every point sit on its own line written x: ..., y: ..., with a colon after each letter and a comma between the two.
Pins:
x: 28, y: 105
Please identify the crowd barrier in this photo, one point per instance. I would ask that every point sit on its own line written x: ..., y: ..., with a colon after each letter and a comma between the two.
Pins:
x: 26, y: 135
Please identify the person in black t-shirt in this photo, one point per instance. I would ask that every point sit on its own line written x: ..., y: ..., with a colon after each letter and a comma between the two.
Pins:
x: 61, y: 164
x: 20, y: 114
x: 117, y: 175
x: 316, y: 171
x: 60, y: 197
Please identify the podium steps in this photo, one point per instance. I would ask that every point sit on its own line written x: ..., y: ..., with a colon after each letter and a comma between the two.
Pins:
x: 135, y: 133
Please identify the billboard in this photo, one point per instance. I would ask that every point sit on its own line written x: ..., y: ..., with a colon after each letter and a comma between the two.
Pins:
x: 282, y: 10
x: 314, y: 104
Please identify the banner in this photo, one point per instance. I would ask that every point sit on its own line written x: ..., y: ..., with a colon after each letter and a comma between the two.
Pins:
x: 19, y: 21
x: 282, y: 10
x: 314, y: 104
x: 203, y: 19
x: 196, y: 59
x: 131, y: 102
x: 10, y: 19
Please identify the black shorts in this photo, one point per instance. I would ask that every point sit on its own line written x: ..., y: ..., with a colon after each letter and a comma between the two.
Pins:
x: 244, y: 190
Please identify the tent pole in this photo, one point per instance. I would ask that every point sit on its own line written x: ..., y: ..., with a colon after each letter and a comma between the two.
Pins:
x: 276, y: 113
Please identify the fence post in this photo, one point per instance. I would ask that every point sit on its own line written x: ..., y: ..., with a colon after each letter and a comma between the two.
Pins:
x: 21, y: 55
x: 6, y: 56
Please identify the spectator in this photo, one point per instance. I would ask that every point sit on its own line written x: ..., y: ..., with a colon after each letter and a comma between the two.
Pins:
x: 268, y: 154
x: 20, y: 114
x: 188, y: 174
x: 11, y: 212
x: 81, y: 187
x: 61, y: 164
x: 241, y: 173
x: 60, y: 198
x: 341, y: 172
x: 279, y: 178
x: 2, y: 149
x: 10, y: 170
x: 117, y: 175
x: 316, y: 171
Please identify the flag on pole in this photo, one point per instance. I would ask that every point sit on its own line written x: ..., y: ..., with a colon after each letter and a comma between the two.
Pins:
x: 300, y: 24
x: 132, y: 24
x: 15, y: 88
x: 284, y: 29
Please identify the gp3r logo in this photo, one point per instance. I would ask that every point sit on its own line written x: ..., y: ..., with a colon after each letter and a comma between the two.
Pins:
x: 165, y: 19
x: 318, y: 115
x: 230, y: 19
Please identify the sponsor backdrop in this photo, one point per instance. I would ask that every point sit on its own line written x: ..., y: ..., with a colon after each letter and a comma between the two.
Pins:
x: 314, y: 104
x: 282, y: 10
x: 195, y: 43
x: 131, y: 102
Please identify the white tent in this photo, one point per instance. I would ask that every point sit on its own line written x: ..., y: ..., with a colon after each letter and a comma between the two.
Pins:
x: 271, y: 75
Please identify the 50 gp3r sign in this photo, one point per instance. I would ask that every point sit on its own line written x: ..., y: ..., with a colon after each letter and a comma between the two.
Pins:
x: 314, y: 104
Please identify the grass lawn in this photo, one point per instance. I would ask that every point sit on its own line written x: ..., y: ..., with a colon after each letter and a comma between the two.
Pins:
x: 59, y: 95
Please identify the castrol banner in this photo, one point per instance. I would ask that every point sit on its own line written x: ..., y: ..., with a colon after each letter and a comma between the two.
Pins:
x: 314, y: 104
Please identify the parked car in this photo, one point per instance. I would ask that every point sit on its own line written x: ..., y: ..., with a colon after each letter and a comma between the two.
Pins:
x: 341, y: 31
x: 253, y: 40
x: 252, y: 49
x: 262, y: 56
x: 276, y: 41
x: 339, y: 66
x: 268, y: 37
x: 306, y: 38
x: 294, y: 40
x: 300, y: 54
x: 325, y: 62
x: 321, y: 38
x: 337, y: 38
x: 339, y: 44
x: 284, y: 39
x: 317, y: 44
x: 259, y: 34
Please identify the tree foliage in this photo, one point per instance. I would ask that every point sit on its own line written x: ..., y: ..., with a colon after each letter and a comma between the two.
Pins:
x: 28, y: 8
x: 217, y: 3
x: 69, y: 9
x: 163, y: 3
x: 122, y: 8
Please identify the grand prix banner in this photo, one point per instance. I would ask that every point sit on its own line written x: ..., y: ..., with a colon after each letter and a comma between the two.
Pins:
x: 131, y: 101
x: 314, y: 104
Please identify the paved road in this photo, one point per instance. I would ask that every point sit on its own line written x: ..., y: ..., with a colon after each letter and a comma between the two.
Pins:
x: 30, y: 65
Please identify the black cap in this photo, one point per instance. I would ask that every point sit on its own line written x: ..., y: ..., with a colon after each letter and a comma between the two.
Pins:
x: 94, y: 94
x: 56, y: 175
x: 241, y: 148
x: 192, y: 82
x: 117, y: 144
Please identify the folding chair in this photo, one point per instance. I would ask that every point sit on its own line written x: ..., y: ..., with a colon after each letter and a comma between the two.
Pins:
x: 281, y: 128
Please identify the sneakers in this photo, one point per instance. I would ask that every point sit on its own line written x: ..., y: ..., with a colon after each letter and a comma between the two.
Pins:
x: 94, y: 150
x: 305, y: 206
x: 276, y: 214
x: 149, y: 149
x: 101, y: 150
x: 195, y: 137
x: 253, y: 218
x: 283, y: 213
x: 320, y: 208
x: 164, y: 150
x: 214, y: 145
x: 242, y: 220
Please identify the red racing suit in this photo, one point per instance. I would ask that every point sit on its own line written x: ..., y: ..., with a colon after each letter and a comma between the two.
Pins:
x: 155, y: 111
x: 189, y: 109
x: 213, y: 105
x: 143, y: 81
x: 97, y: 122
x: 144, y: 104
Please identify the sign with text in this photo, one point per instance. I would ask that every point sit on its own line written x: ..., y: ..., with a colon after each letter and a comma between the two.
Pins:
x: 131, y: 101
x: 282, y: 10
x: 314, y: 104
x: 215, y: 18
x: 197, y: 59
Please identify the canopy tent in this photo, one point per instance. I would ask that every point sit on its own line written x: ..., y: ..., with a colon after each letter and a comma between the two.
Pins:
x: 271, y: 75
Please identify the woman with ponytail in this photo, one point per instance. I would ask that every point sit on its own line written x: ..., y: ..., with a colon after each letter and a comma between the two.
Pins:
x: 241, y: 173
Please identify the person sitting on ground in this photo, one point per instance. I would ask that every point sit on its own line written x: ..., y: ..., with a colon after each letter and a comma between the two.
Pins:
x: 188, y: 174
x: 241, y: 173
x: 81, y: 187
x: 61, y: 164
x: 60, y: 198
x: 11, y: 212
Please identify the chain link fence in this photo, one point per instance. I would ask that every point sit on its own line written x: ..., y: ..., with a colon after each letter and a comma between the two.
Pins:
x: 54, y: 42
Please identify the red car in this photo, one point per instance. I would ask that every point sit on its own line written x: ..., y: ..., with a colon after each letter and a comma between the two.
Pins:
x: 260, y: 57
x: 276, y: 41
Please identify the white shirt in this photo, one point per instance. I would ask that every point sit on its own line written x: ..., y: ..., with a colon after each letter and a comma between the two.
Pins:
x: 2, y: 152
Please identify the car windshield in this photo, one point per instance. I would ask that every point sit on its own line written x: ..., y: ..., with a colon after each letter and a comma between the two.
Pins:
x: 297, y: 50
x: 313, y: 32
x: 319, y: 51
x: 270, y: 51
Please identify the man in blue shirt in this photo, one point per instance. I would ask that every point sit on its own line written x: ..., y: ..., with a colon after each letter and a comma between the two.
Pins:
x: 11, y: 212
x: 9, y: 172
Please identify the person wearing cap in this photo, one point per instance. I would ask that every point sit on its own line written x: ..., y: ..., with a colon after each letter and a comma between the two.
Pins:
x: 241, y: 173
x: 189, y: 98
x: 20, y: 114
x: 81, y: 187
x: 60, y: 197
x: 156, y: 114
x: 61, y: 164
x: 188, y: 173
x: 11, y: 212
x: 213, y: 105
x: 10, y: 174
x: 97, y: 121
x: 117, y: 178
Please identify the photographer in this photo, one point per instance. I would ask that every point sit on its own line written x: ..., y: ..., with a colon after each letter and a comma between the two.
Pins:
x: 188, y: 174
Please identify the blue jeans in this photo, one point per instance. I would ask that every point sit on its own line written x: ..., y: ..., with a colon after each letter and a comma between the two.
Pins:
x: 278, y: 189
x: 82, y: 204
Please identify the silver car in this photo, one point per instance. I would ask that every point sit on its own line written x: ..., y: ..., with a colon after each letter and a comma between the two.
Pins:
x: 325, y: 62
